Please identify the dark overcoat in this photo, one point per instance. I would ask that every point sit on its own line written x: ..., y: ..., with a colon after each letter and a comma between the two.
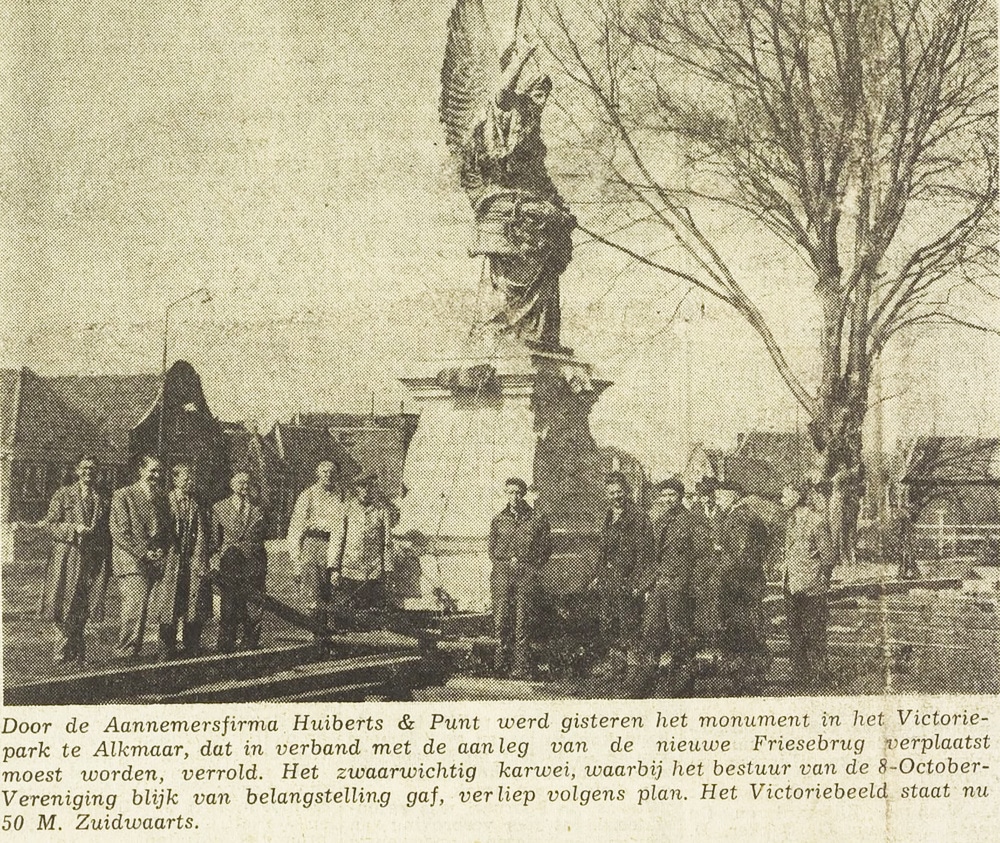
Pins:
x: 182, y: 591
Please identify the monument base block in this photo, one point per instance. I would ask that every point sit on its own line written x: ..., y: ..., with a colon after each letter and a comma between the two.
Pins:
x: 520, y: 413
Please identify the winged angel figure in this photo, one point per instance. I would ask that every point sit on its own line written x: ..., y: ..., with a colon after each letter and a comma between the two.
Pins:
x: 491, y: 108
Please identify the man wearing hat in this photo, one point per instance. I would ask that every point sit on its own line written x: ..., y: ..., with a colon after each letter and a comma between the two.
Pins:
x: 358, y: 567
x: 666, y: 619
x: 743, y: 541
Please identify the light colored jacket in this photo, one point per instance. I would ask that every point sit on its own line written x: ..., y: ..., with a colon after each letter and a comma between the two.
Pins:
x: 808, y: 557
x: 78, y: 562
x: 364, y: 553
x: 317, y: 527
x: 140, y: 521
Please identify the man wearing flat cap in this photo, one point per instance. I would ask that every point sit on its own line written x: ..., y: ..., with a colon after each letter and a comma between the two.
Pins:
x: 743, y: 543
x: 358, y: 567
x: 666, y: 619
x: 520, y: 545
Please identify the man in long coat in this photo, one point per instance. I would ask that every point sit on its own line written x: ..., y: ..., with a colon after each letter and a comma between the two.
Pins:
x: 78, y: 571
x: 743, y: 542
x: 239, y: 555
x: 316, y: 535
x: 706, y: 518
x: 626, y: 544
x: 666, y: 618
x: 142, y: 539
x: 184, y: 594
x: 360, y: 565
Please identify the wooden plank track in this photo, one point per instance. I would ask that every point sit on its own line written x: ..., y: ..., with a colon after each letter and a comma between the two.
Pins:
x: 384, y: 670
x: 126, y: 680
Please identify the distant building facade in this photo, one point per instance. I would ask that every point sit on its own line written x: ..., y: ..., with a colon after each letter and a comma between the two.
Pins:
x: 47, y: 422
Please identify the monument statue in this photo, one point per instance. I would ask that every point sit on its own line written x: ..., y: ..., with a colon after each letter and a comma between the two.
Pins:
x: 517, y: 403
x: 491, y: 107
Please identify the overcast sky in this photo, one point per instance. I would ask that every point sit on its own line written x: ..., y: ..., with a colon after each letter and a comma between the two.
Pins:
x: 287, y: 156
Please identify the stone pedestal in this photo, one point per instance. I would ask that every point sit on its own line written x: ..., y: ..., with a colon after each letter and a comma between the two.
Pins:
x: 522, y: 412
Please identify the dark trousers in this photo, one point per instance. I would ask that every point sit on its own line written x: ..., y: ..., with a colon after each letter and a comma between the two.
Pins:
x: 666, y: 625
x: 190, y: 637
x: 239, y: 619
x: 71, y: 645
x: 741, y: 596
x: 619, y: 615
x: 350, y: 603
x: 514, y: 589
x: 807, y: 619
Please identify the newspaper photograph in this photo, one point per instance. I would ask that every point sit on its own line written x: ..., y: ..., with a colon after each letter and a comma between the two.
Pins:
x: 500, y: 419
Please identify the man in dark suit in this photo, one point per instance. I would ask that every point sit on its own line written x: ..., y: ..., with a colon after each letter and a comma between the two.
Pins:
x: 78, y: 571
x: 706, y: 519
x: 238, y: 554
x: 667, y: 616
x: 520, y: 544
x: 626, y: 542
x: 142, y: 538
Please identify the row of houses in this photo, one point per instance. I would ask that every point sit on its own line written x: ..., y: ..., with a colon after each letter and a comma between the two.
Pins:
x: 954, y: 479
x: 47, y: 422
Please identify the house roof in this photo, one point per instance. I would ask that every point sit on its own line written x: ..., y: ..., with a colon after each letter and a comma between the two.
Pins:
x: 789, y: 452
x: 406, y: 422
x: 249, y: 451
x: 36, y: 420
x: 954, y: 461
x: 114, y: 402
x: 302, y: 448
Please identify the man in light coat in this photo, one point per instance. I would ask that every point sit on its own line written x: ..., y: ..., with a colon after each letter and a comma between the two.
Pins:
x: 316, y: 535
x: 142, y: 539
x: 807, y: 563
x: 79, y: 569
x: 359, y: 565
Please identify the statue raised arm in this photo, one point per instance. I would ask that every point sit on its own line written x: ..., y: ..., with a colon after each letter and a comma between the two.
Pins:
x: 492, y: 111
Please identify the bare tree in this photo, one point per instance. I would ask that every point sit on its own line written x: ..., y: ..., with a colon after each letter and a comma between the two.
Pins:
x: 838, y: 125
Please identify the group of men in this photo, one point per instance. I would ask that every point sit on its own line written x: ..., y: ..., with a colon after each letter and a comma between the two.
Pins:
x: 687, y: 574
x: 165, y: 549
x: 340, y: 548
x: 678, y: 578
x: 160, y: 548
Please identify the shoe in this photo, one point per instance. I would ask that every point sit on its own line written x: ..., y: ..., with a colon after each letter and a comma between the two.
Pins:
x: 129, y: 653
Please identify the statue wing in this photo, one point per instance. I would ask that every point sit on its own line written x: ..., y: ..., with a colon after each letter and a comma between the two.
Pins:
x: 469, y: 73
